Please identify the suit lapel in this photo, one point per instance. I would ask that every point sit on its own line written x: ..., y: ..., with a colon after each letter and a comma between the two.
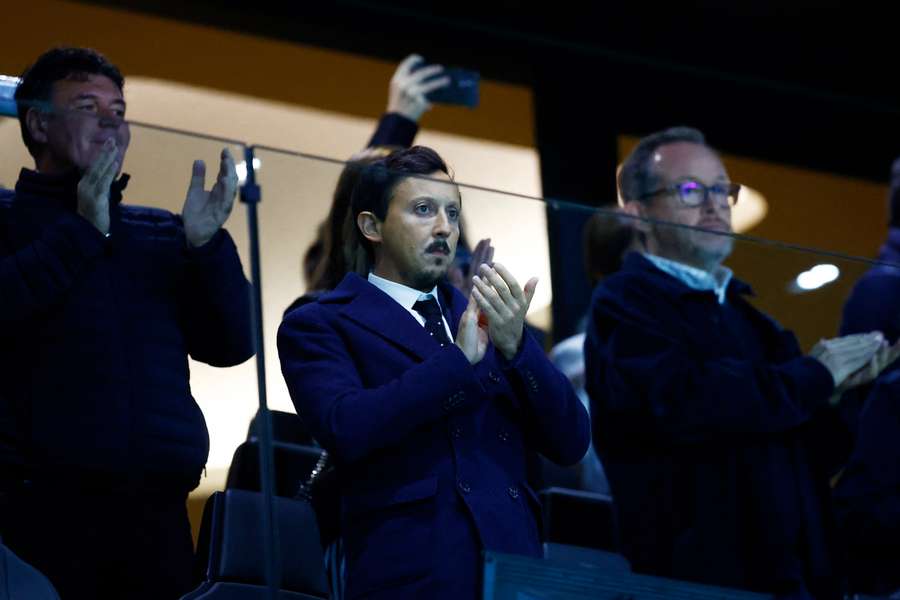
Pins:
x: 377, y: 312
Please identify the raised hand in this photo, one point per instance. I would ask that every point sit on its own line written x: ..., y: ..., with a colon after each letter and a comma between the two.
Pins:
x: 205, y: 212
x: 408, y: 88
x: 483, y: 254
x: 470, y: 337
x: 93, y: 187
x: 505, y: 304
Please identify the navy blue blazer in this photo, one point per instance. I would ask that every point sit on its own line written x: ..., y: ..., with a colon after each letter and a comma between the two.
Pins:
x: 430, y: 449
x: 703, y: 415
x: 868, y: 493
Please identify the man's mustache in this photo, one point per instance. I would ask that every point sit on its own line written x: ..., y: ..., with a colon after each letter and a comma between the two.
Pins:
x: 438, y: 246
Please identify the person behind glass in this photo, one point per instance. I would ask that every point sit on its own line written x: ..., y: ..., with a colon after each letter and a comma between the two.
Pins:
x: 427, y: 410
x: 606, y: 237
x: 867, y: 495
x: 702, y: 406
x: 326, y: 262
x: 101, y: 304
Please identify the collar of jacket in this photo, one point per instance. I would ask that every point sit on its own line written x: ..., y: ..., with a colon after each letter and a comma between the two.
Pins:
x: 376, y: 311
x: 635, y: 263
x: 61, y: 190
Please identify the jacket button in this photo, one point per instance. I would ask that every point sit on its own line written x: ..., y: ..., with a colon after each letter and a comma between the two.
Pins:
x: 532, y: 382
x: 513, y: 492
x: 464, y: 487
x: 503, y: 435
x: 456, y: 432
x: 494, y: 377
x: 454, y: 400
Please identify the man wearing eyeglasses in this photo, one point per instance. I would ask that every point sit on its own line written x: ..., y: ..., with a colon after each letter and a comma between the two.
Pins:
x: 703, y: 407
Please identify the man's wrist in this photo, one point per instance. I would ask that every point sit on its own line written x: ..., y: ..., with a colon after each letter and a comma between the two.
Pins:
x: 198, y: 241
x: 509, y: 352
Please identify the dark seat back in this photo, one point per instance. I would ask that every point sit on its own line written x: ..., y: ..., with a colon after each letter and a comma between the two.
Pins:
x: 286, y: 427
x: 293, y: 464
x: 231, y: 554
x: 578, y: 518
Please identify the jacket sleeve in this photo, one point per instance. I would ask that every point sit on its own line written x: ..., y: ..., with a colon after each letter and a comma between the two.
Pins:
x: 649, y: 386
x: 216, y: 301
x: 38, y: 275
x: 394, y: 130
x: 352, y: 421
x: 554, y: 416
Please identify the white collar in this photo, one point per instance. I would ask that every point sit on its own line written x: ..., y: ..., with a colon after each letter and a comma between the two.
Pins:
x: 404, y: 295
x: 715, y: 281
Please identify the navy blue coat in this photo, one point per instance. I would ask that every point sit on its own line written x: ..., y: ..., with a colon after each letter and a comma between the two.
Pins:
x: 702, y: 415
x: 430, y: 449
x: 96, y: 335
x: 868, y: 493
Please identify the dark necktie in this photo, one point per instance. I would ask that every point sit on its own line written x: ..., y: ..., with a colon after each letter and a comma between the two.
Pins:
x: 434, y: 322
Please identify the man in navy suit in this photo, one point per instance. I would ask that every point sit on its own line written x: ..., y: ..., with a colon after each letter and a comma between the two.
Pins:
x: 428, y: 411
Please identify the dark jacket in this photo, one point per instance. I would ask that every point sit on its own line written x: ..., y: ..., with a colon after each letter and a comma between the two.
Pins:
x: 868, y: 494
x: 874, y: 303
x: 430, y: 449
x: 97, y: 332
x: 702, y: 415
x: 394, y: 130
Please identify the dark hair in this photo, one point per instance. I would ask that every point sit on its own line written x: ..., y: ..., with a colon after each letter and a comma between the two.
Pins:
x: 607, y: 235
x: 894, y: 196
x: 637, y: 177
x: 55, y: 65
x: 376, y: 182
x: 336, y: 246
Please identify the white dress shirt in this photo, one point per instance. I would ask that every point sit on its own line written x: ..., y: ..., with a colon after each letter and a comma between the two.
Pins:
x: 697, y: 279
x: 406, y: 296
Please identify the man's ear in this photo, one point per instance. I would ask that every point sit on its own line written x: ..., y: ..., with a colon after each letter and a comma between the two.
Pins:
x: 637, y: 209
x: 36, y: 122
x: 369, y: 226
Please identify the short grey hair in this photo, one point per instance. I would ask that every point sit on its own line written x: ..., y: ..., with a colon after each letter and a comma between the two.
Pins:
x: 636, y: 178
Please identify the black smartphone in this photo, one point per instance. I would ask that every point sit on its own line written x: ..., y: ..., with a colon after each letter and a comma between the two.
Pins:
x: 462, y: 91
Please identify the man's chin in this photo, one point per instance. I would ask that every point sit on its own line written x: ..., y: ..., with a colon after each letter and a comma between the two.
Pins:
x: 429, y: 277
x: 715, y: 254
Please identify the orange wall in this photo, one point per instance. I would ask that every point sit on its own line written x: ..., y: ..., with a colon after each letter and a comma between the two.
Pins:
x: 250, y: 65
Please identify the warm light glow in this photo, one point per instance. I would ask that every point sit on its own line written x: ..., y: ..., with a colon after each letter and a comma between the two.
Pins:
x: 818, y: 276
x: 750, y: 210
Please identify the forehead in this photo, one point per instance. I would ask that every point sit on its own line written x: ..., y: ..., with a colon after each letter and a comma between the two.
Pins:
x: 75, y: 86
x: 437, y: 186
x: 681, y: 160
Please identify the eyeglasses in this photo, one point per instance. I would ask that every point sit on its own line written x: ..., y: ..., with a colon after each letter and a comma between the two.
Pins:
x: 693, y: 193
